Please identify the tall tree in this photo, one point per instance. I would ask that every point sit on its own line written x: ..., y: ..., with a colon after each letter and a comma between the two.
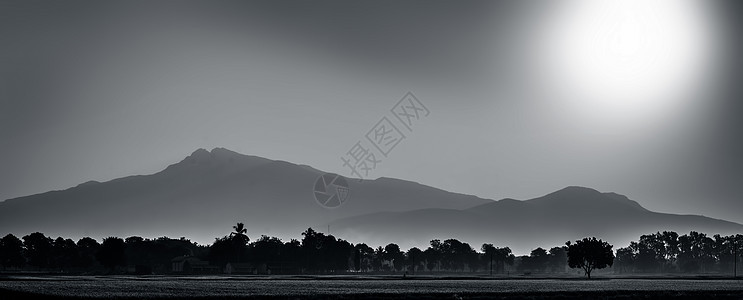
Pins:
x: 625, y: 260
x: 434, y: 255
x: 38, y: 249
x: 670, y: 239
x: 356, y: 259
x: 696, y: 252
x: 377, y: 261
x: 240, y: 234
x: 112, y: 252
x: 497, y: 257
x: 558, y: 259
x: 366, y: 256
x: 455, y: 255
x: 394, y: 256
x: 589, y: 254
x: 504, y: 256
x: 488, y: 251
x: 64, y: 253
x: 413, y: 258
x: 87, y: 248
x: 539, y: 259
x: 11, y: 252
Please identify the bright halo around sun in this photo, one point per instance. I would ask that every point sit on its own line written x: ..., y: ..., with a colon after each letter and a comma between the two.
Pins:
x: 626, y: 61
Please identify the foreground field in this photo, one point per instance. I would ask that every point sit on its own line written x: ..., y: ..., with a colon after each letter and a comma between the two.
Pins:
x: 213, y: 287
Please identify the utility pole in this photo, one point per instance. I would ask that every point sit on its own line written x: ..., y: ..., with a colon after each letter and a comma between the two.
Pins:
x: 735, y: 257
x: 491, y: 263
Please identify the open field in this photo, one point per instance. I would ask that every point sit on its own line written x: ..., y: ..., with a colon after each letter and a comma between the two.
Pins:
x: 356, y: 287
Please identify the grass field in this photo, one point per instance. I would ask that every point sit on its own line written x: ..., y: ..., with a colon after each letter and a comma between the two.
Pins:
x: 356, y: 287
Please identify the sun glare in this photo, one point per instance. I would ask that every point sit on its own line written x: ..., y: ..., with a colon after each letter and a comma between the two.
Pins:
x: 626, y: 60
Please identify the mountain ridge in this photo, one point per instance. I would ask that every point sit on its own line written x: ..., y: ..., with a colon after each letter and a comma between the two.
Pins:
x: 218, y: 188
x: 546, y: 221
x: 204, y: 194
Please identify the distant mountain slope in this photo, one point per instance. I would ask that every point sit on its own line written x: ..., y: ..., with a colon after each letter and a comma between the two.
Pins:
x: 547, y: 221
x: 202, y: 196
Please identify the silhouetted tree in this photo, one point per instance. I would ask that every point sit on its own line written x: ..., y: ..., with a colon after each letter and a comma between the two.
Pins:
x: 366, y: 256
x: 240, y: 233
x: 455, y: 255
x: 725, y: 251
x: 87, y: 249
x: 651, y: 252
x: 139, y: 253
x: 434, y: 255
x: 232, y: 248
x: 377, y: 260
x: 496, y: 258
x: 336, y: 254
x: 625, y: 260
x: 293, y: 255
x: 325, y: 253
x: 394, y: 256
x: 64, y: 253
x: 356, y: 260
x: 224, y: 251
x: 539, y: 259
x: 558, y: 259
x: 317, y: 252
x: 413, y: 259
x: 488, y: 251
x: 149, y: 256
x: 670, y: 239
x: 667, y: 251
x: 111, y: 254
x: 645, y: 256
x: 11, y: 252
x: 504, y: 256
x: 695, y: 252
x: 266, y: 250
x: 38, y: 249
x: 590, y: 254
x: 311, y: 244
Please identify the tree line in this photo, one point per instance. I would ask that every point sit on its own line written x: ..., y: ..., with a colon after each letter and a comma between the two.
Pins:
x: 668, y: 252
x: 319, y: 253
x: 37, y: 252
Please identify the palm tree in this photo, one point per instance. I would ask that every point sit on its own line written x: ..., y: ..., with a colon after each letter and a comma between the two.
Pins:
x: 239, y: 229
x: 240, y: 233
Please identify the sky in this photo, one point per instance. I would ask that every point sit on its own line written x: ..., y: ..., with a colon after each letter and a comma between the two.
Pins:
x: 524, y: 97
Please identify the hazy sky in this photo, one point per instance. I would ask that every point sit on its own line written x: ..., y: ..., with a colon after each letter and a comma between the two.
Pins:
x: 637, y: 97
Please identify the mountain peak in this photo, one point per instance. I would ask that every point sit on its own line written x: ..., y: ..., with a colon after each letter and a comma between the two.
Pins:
x: 218, y: 157
x: 214, y: 153
x: 577, y: 190
x: 200, y: 156
x: 217, y: 152
x: 88, y: 183
x: 577, y: 196
x: 201, y: 152
x: 224, y: 152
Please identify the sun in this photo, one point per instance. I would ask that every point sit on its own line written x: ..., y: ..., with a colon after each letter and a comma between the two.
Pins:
x: 625, y: 60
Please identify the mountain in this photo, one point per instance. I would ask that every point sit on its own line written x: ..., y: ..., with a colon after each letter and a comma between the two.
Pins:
x: 203, y: 195
x: 551, y: 220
